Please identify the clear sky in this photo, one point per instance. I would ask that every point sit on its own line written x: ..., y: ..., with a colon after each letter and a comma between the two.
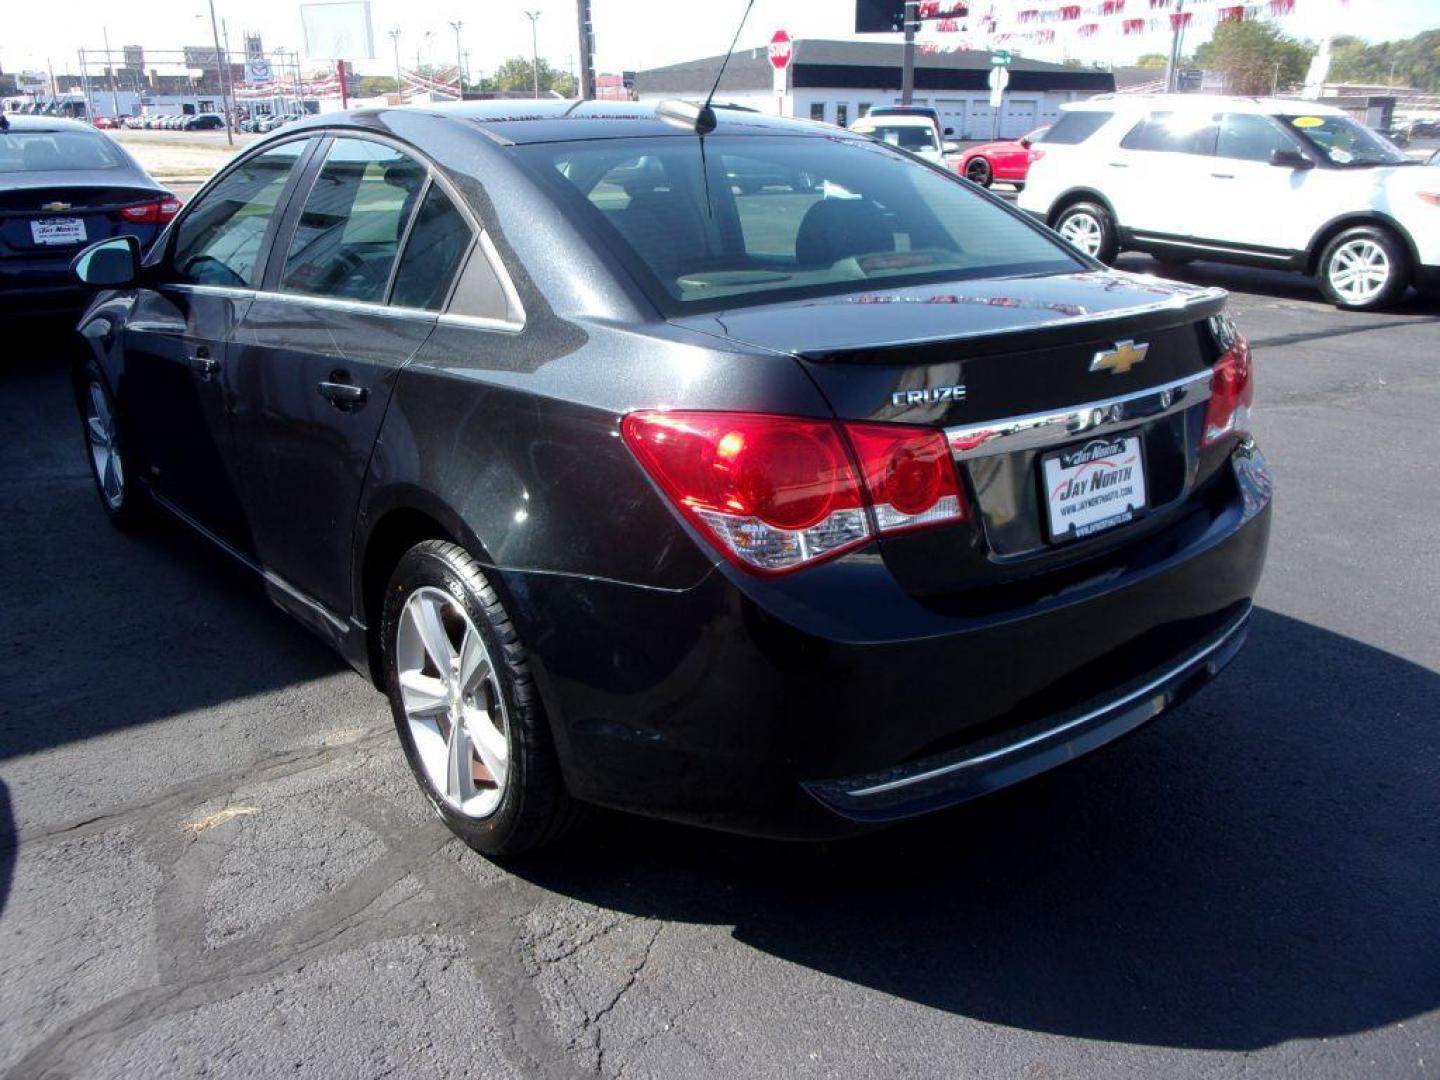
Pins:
x: 629, y: 33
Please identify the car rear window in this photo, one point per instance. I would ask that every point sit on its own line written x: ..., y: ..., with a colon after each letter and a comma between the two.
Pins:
x: 910, y: 137
x: 57, y: 151
x: 1075, y: 127
x: 751, y: 219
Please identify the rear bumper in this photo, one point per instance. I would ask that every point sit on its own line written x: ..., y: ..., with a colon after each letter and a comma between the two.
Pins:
x: 820, y: 704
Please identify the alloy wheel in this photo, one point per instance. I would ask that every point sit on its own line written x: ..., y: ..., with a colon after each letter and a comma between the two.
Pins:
x: 452, y: 702
x: 1359, y: 271
x: 104, y: 454
x: 978, y: 172
x: 1082, y: 231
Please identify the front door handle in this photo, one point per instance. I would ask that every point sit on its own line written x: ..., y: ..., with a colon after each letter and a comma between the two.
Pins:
x: 203, y: 364
x: 1118, y: 165
x: 1223, y: 175
x: 343, y: 395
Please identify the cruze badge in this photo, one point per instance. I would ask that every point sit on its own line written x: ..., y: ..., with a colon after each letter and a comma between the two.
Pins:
x: 1120, y: 359
x: 929, y: 395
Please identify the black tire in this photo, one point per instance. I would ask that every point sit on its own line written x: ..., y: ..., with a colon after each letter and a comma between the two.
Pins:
x: 126, y: 507
x: 978, y: 171
x: 1108, y: 238
x: 534, y: 807
x: 1334, y: 261
x: 1018, y: 185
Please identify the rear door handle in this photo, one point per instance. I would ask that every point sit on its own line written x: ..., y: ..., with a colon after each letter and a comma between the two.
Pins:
x: 1118, y: 165
x: 203, y: 364
x: 344, y: 395
x: 1223, y: 175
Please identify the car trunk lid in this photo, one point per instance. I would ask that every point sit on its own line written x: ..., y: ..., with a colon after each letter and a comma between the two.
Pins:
x: 1014, y: 370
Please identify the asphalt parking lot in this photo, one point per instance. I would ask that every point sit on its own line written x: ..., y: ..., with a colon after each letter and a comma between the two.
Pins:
x: 213, y: 861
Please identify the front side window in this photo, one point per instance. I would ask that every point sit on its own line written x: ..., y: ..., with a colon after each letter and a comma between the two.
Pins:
x: 219, y: 240
x: 349, y: 233
x: 1250, y: 137
x: 1074, y: 128
x: 762, y: 218
x: 1173, y: 133
x: 1344, y: 142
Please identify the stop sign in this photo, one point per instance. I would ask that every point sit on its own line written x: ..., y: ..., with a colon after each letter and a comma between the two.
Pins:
x: 781, y: 50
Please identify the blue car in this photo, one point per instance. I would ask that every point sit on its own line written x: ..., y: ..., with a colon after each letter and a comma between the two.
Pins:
x: 64, y: 185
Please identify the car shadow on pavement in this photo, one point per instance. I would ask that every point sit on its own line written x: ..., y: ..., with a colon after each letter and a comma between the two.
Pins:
x: 1260, y: 865
x: 157, y: 623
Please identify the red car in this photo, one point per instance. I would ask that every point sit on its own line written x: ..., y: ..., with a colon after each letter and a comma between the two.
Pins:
x: 1008, y: 160
x: 104, y: 123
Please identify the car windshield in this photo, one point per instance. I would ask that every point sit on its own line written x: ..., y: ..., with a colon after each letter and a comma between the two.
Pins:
x: 912, y: 137
x: 1345, y: 142
x: 781, y: 217
x: 56, y: 151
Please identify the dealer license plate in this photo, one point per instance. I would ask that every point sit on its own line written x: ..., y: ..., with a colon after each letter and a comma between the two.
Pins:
x: 62, y: 230
x: 1094, y: 486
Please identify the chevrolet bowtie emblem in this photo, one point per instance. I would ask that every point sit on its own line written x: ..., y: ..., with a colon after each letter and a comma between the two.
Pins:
x: 1120, y: 359
x: 56, y: 206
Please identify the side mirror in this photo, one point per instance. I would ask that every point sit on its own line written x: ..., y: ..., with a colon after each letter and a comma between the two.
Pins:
x: 108, y: 264
x: 950, y: 147
x: 1025, y: 143
x: 1290, y: 159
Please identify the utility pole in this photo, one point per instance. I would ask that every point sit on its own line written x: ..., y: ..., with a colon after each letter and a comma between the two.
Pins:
x: 459, y: 62
x: 1177, y: 35
x: 399, y: 86
x: 85, y: 88
x: 110, y: 73
x: 220, y: 71
x: 907, y: 72
x: 229, y: 78
x: 534, y: 17
x: 586, y: 86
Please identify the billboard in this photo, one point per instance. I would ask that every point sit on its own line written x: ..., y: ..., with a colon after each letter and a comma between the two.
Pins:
x: 879, y: 16
x: 201, y: 56
x: 338, y: 30
x: 134, y: 58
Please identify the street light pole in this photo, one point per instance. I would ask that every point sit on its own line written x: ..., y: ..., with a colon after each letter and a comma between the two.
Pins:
x: 459, y: 62
x: 220, y: 62
x: 399, y: 86
x: 534, y: 17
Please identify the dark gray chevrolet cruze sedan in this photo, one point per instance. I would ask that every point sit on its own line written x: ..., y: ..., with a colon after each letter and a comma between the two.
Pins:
x: 733, y: 469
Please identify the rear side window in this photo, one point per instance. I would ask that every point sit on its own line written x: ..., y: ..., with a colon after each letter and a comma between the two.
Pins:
x: 753, y: 219
x: 1249, y: 137
x: 438, y: 240
x: 1075, y: 127
x: 219, y: 239
x: 349, y: 232
x: 1173, y: 133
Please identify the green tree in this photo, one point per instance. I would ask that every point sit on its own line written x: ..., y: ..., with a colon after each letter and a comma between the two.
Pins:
x: 375, y: 85
x: 1254, y: 57
x: 1414, y: 62
x: 518, y: 74
x: 1152, y: 60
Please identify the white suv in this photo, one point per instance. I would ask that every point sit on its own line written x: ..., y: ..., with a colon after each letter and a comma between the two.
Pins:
x: 1265, y: 182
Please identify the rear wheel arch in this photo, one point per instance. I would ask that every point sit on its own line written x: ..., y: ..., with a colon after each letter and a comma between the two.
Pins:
x: 1069, y: 198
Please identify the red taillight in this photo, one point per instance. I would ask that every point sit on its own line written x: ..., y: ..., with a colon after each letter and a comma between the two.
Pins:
x: 1232, y: 391
x: 908, y: 473
x: 776, y: 493
x: 152, y: 213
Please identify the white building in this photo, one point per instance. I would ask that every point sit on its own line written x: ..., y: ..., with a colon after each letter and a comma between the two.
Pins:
x: 838, y: 81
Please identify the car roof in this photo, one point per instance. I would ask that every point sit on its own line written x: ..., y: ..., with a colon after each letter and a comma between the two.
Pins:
x: 26, y: 122
x: 526, y: 120
x: 1264, y: 106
